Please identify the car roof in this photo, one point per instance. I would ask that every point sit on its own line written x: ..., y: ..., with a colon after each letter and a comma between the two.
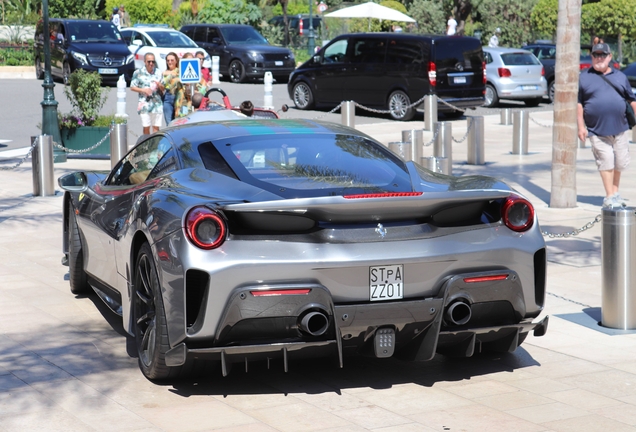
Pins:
x: 151, y: 29
x: 217, y: 25
x: 502, y: 50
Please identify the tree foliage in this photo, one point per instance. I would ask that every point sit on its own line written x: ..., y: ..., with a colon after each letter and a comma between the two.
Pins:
x: 74, y: 9
x: 230, y: 12
x: 614, y: 18
x: 144, y: 11
x: 430, y: 16
x: 544, y: 17
x: 511, y: 16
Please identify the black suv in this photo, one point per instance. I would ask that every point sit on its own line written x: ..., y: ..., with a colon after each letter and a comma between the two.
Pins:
x: 243, y: 52
x: 391, y: 71
x: 96, y: 46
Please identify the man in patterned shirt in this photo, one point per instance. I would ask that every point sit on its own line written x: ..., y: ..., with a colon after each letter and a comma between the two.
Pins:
x: 147, y: 82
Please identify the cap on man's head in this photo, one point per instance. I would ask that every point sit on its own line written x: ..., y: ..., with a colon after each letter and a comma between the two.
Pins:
x: 498, y: 30
x: 602, y: 48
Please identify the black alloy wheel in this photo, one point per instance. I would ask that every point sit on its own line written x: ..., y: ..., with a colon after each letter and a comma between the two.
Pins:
x: 237, y: 71
x: 303, y: 96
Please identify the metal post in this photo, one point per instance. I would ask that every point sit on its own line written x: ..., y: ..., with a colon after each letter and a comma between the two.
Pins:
x: 402, y: 149
x: 618, y: 251
x: 506, y: 118
x: 416, y: 138
x: 121, y: 98
x: 634, y: 135
x: 42, y: 166
x: 348, y: 111
x: 311, y: 39
x: 430, y: 112
x: 118, y: 143
x: 215, y: 70
x: 443, y: 146
x: 520, y: 132
x: 268, y: 101
x: 476, y: 154
x: 436, y: 164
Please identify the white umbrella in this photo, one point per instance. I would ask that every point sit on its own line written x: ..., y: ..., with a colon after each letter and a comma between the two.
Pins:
x: 370, y: 10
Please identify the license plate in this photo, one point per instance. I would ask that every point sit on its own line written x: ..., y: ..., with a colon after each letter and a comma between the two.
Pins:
x: 460, y: 80
x: 529, y: 87
x: 107, y: 71
x: 386, y: 282
x: 278, y: 63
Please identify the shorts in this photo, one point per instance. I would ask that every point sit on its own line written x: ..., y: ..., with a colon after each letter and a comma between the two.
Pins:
x: 611, y: 152
x: 151, y: 119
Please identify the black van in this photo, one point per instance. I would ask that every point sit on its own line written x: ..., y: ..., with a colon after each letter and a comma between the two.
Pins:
x: 95, y: 46
x: 391, y: 71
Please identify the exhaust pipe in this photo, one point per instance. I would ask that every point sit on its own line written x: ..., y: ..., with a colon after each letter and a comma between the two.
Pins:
x: 458, y: 313
x: 314, y: 323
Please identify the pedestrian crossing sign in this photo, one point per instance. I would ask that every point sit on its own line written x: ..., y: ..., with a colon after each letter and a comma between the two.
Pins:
x: 189, y: 71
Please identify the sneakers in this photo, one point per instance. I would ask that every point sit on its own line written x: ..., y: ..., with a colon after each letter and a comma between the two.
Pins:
x: 614, y: 201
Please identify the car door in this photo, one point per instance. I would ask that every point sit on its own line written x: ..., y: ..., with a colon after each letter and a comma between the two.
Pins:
x: 329, y: 78
x: 217, y: 46
x: 57, y: 47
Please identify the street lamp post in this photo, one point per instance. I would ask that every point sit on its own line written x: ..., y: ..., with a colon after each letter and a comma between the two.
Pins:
x: 50, y: 125
x: 311, y: 43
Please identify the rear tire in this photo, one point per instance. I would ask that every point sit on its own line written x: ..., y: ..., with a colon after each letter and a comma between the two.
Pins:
x: 77, y: 276
x: 491, y: 97
x: 551, y: 92
x: 532, y: 102
x: 399, y: 106
x: 303, y: 96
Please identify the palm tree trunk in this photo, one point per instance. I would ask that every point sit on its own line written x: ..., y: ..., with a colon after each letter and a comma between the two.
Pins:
x: 564, y: 134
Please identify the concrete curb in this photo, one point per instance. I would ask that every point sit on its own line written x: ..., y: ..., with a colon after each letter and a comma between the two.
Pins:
x: 17, y: 72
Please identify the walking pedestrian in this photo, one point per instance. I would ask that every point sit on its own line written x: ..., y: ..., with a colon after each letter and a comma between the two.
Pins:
x: 147, y: 82
x: 115, y: 18
x: 603, y: 93
x: 494, y: 39
x: 124, y: 18
x: 171, y: 83
x: 451, y: 26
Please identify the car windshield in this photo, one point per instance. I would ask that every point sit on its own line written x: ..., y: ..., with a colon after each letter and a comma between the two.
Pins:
x: 243, y: 35
x: 171, y: 39
x: 519, y: 59
x: 311, y: 165
x: 94, y: 32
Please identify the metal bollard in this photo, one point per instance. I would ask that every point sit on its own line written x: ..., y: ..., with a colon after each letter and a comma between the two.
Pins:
x: 476, y: 154
x: 215, y: 70
x: 634, y: 135
x: 402, y: 149
x: 268, y: 101
x: 436, y: 164
x: 121, y: 98
x: 520, y: 132
x: 618, y: 277
x: 348, y: 111
x: 430, y: 112
x: 443, y: 146
x: 42, y: 166
x: 506, y: 117
x: 118, y: 143
x: 416, y: 138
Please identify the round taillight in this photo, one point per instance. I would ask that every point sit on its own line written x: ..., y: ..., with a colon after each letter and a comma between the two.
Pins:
x: 205, y: 228
x: 517, y: 213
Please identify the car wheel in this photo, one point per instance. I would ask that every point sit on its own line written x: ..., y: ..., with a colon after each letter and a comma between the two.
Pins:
x: 532, y: 102
x: 76, y: 274
x: 237, y: 71
x: 491, y: 97
x: 39, y: 70
x: 66, y: 73
x: 303, y: 96
x: 551, y: 92
x: 399, y: 106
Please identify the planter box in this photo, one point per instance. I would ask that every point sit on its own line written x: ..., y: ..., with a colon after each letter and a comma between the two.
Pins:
x: 86, y: 137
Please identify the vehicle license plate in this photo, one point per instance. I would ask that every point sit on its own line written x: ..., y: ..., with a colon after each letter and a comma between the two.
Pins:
x: 529, y: 87
x: 386, y: 282
x: 106, y: 71
x: 278, y: 63
x: 460, y: 80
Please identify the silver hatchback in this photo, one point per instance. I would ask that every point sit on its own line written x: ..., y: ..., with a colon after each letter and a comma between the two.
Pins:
x: 513, y: 73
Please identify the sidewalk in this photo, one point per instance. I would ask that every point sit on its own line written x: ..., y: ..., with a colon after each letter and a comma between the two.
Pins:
x: 67, y: 365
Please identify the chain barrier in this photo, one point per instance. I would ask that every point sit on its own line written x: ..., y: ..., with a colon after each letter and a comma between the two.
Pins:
x: 462, y: 139
x: 377, y: 111
x: 463, y: 110
x: 21, y: 161
x: 434, y: 136
x: 320, y: 117
x: 540, y: 124
x: 68, y: 150
x: 132, y: 133
x: 578, y: 231
x: 568, y: 300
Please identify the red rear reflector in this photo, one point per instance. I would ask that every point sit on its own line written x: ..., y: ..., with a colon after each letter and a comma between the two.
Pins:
x: 584, y: 66
x: 384, y: 195
x: 266, y: 293
x: 486, y: 278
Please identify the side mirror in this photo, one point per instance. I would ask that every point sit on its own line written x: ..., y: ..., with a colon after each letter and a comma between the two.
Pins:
x: 137, y: 42
x: 73, y: 182
x: 316, y: 58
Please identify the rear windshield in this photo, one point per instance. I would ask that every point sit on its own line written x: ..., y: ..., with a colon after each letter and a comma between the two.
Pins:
x: 519, y: 59
x: 453, y: 52
x: 305, y: 165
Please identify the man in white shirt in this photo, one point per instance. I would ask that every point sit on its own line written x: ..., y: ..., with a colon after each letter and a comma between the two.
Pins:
x: 494, y: 39
x: 451, y: 26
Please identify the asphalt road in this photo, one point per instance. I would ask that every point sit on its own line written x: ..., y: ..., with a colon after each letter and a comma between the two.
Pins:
x: 21, y: 113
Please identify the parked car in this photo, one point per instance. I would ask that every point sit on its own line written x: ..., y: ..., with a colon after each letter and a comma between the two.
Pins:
x: 160, y: 41
x: 513, y: 73
x: 243, y: 52
x: 280, y: 239
x: 391, y: 71
x: 546, y: 53
x: 295, y: 21
x: 95, y: 46
x: 630, y: 71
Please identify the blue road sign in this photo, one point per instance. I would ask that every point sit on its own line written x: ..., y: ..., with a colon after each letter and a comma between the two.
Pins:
x: 189, y: 71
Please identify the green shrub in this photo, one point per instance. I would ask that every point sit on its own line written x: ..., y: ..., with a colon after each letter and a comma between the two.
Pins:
x: 86, y: 96
x: 18, y: 56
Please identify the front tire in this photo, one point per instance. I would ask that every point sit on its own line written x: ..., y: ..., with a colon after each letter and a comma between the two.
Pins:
x: 77, y: 276
x: 303, y: 96
x: 39, y: 70
x: 237, y: 71
x: 491, y: 97
x: 399, y: 106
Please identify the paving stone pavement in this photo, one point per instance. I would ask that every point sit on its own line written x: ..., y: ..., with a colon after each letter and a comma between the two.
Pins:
x: 67, y: 365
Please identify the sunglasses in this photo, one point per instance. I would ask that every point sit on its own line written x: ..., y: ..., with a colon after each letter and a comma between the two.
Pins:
x: 150, y: 61
x: 599, y: 55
